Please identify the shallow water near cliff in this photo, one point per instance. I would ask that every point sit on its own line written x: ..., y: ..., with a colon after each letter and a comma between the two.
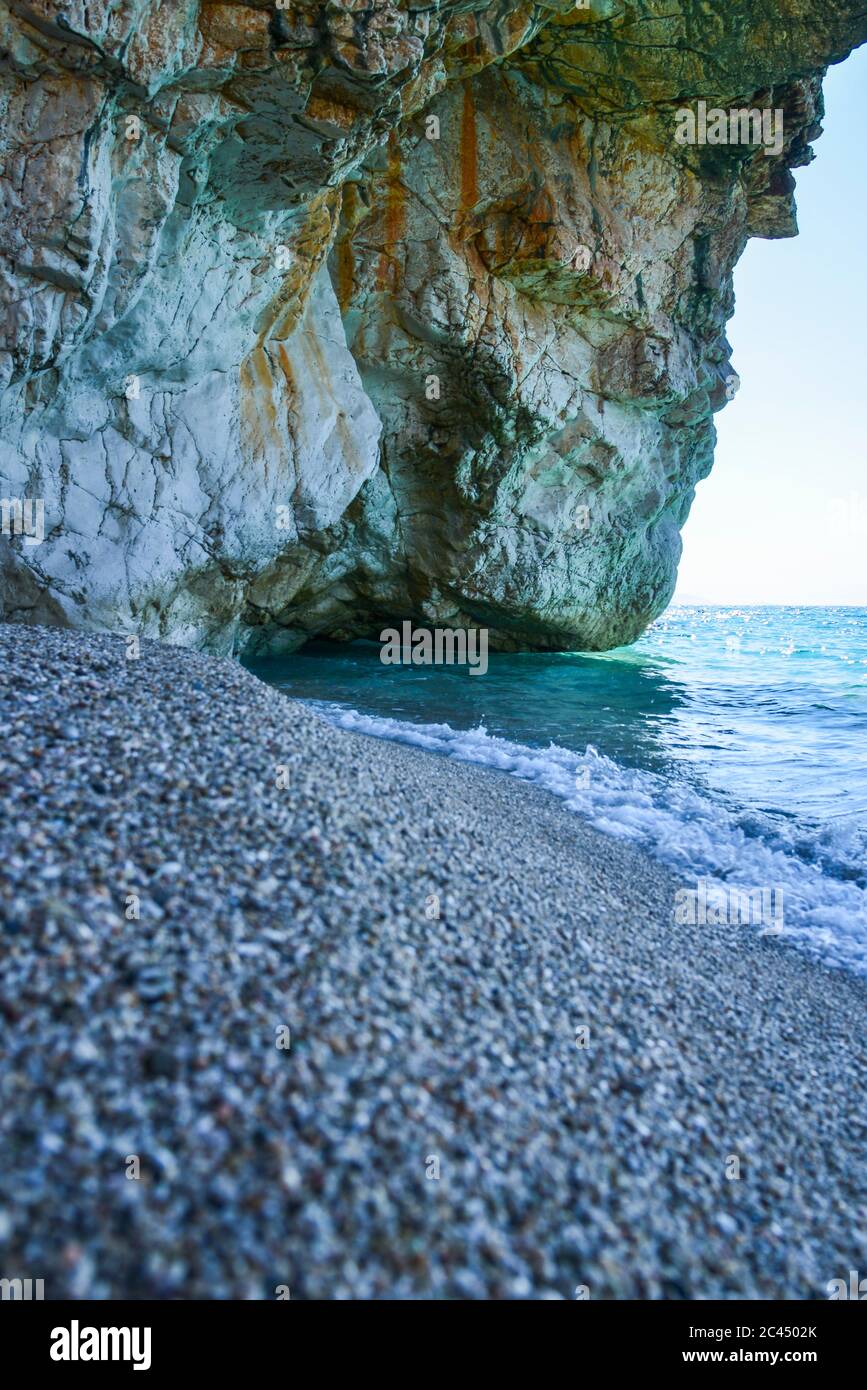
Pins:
x: 729, y: 742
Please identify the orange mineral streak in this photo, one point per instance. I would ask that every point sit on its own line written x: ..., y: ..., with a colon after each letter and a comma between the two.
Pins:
x: 286, y: 366
x: 310, y: 247
x: 259, y: 429
x: 322, y: 373
x: 355, y: 208
x: 345, y: 258
x: 394, y: 219
x: 469, y: 152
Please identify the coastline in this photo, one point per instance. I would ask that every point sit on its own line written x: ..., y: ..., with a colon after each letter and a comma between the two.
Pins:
x: 413, y: 1037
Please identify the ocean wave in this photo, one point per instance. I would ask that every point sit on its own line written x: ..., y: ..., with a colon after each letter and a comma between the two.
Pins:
x: 816, y: 868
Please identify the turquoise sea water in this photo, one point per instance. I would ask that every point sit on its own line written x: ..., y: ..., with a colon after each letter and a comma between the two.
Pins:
x: 730, y: 742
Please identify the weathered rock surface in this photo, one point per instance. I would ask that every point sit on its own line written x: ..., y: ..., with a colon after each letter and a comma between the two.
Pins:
x: 319, y: 316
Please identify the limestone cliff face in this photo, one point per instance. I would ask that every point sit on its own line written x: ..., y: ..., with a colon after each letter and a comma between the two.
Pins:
x: 318, y: 316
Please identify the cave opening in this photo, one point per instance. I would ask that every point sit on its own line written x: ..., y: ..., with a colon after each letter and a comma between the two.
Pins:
x: 782, y: 518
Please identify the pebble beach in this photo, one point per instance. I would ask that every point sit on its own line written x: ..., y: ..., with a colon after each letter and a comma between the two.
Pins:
x: 289, y: 1011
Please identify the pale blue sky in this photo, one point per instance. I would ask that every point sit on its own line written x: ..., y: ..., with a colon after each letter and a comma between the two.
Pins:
x: 783, y: 516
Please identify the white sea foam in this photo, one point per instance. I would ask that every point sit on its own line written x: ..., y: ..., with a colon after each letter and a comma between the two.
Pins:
x: 694, y: 835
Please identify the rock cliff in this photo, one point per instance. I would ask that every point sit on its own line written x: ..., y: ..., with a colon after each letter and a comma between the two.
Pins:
x: 320, y: 316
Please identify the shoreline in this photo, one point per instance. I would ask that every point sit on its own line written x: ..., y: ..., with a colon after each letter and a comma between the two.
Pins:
x: 414, y: 1037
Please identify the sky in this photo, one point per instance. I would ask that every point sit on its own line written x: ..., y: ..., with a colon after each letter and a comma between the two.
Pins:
x: 783, y: 516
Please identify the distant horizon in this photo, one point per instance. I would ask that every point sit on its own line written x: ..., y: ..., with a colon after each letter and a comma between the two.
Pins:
x: 782, y: 518
x: 689, y: 601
